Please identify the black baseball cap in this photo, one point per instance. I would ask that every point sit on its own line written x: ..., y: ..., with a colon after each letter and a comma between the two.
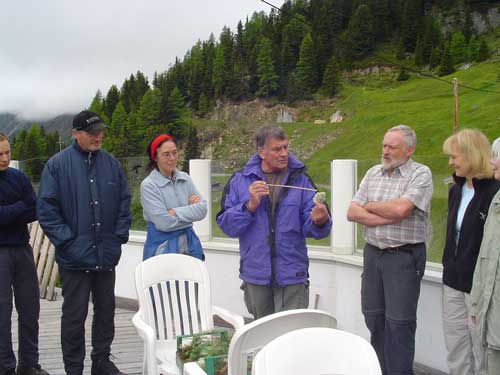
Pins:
x: 88, y: 121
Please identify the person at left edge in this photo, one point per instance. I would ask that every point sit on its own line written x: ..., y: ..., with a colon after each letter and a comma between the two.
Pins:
x: 84, y: 209
x: 17, y: 269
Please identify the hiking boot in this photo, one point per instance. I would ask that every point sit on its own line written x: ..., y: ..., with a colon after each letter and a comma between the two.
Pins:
x: 105, y: 367
x: 37, y: 370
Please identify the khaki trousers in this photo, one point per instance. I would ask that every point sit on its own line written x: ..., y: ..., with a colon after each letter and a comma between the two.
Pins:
x: 493, y: 361
x: 466, y: 355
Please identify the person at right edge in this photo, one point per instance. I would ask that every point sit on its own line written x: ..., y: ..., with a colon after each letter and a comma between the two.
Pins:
x: 468, y: 202
x: 393, y: 204
x: 485, y: 293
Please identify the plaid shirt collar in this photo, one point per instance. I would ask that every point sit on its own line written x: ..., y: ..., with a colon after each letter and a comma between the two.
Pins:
x: 402, y: 170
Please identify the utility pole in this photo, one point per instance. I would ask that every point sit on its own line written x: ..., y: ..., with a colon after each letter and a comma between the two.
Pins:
x: 455, y: 104
x: 60, y: 143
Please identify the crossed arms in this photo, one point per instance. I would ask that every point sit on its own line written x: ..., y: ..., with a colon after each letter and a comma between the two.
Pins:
x: 380, y: 213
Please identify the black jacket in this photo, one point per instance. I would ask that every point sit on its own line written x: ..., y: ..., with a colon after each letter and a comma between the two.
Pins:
x: 84, y: 208
x: 459, y: 260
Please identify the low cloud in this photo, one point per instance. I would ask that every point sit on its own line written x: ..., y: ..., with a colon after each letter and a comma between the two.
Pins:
x: 55, y: 55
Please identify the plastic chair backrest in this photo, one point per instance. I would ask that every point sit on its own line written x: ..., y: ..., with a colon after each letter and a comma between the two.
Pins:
x: 316, y: 351
x: 253, y: 336
x: 174, y: 295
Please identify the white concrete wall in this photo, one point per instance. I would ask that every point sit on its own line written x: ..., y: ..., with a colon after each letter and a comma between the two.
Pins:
x: 335, y: 275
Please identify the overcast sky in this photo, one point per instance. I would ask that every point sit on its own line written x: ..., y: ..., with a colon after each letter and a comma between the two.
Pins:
x: 55, y: 54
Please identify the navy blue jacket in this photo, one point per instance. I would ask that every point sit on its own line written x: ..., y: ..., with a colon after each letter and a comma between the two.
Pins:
x: 17, y: 207
x: 84, y: 208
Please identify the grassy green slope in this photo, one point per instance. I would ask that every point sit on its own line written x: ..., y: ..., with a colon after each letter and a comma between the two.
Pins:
x: 375, y: 104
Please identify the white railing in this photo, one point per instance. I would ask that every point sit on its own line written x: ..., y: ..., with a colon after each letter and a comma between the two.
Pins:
x: 335, y: 280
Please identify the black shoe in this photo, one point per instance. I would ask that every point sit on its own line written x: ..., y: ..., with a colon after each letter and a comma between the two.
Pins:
x: 10, y: 371
x: 37, y: 370
x: 105, y: 367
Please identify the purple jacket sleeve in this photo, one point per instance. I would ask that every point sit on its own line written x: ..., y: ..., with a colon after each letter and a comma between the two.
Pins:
x: 233, y: 220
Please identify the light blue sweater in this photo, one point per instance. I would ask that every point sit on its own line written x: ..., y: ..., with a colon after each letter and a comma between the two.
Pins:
x: 159, y: 194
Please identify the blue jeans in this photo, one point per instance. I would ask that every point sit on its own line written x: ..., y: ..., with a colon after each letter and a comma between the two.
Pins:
x: 390, y: 288
x: 18, y: 277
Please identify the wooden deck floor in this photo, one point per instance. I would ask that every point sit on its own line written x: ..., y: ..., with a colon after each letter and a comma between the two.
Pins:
x: 127, y: 347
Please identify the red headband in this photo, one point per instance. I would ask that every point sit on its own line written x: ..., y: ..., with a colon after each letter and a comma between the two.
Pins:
x: 156, y: 142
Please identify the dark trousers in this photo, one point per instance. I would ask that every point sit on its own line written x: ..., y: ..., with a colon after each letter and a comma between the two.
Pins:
x: 18, y: 277
x: 390, y: 288
x: 76, y: 288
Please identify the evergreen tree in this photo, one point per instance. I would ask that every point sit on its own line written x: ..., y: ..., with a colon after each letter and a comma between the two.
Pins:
x: 192, y: 148
x: 34, y: 149
x: 306, y: 67
x: 446, y: 65
x: 468, y: 24
x: 432, y: 38
x: 268, y: 79
x: 435, y: 58
x: 382, y: 19
x: 472, y: 48
x: 148, y: 117
x: 109, y: 104
x: 400, y: 52
x: 360, y: 36
x: 18, y: 145
x: 218, y: 76
x: 141, y: 86
x: 419, y: 53
x: 484, y: 52
x: 411, y: 23
x: 52, y: 144
x: 177, y: 124
x: 331, y: 77
x: 134, y: 135
x: 97, y: 105
x: 458, y: 48
x: 203, y: 105
x: 116, y: 136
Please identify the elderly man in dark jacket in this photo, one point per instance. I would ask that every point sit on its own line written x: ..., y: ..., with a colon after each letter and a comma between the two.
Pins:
x: 84, y: 209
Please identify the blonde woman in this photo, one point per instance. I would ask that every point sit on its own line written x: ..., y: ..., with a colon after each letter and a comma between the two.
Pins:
x: 485, y: 294
x: 468, y: 202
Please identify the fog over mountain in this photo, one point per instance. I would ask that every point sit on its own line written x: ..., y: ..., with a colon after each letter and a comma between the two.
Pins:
x: 56, y: 54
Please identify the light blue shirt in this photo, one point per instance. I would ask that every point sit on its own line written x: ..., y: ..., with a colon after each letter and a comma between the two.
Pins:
x: 467, y: 194
x: 159, y: 194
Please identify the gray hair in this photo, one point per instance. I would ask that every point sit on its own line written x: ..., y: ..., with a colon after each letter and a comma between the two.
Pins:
x: 409, y: 136
x: 495, y: 149
x: 265, y: 132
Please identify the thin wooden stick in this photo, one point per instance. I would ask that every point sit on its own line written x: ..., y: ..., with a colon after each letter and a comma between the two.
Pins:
x: 293, y: 187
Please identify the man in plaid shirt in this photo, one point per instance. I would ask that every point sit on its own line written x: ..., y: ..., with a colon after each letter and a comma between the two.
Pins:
x: 393, y: 204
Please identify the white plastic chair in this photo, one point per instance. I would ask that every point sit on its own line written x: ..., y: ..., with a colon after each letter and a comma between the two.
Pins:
x: 317, y: 351
x: 174, y: 299
x: 247, y: 340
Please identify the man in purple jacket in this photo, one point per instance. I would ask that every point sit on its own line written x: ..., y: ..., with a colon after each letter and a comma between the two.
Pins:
x: 272, y: 223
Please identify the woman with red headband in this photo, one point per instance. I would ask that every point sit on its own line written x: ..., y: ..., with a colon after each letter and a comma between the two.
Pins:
x: 170, y: 203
